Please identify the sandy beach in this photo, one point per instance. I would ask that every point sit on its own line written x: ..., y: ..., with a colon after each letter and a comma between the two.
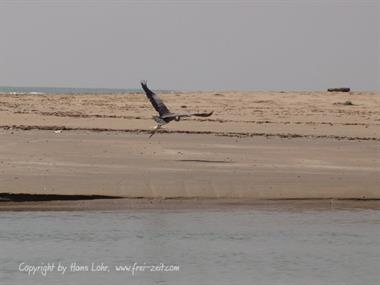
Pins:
x: 257, y: 145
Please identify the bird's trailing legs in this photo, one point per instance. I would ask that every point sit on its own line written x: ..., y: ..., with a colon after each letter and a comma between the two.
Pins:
x: 155, y: 129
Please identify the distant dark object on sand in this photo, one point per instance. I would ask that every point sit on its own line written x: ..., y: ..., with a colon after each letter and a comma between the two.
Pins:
x: 340, y: 89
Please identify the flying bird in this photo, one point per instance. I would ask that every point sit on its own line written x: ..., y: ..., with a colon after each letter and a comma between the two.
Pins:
x: 165, y: 116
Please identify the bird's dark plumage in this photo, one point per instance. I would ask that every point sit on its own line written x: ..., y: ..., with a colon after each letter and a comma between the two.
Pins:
x: 157, y: 103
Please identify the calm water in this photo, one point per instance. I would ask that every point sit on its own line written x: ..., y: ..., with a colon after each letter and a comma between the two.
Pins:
x: 67, y: 90
x: 237, y: 246
x: 53, y: 90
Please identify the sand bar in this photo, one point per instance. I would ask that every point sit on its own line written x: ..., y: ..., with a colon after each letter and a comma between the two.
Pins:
x: 258, y: 145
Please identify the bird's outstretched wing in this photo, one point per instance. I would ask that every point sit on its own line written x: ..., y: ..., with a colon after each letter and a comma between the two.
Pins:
x: 157, y: 103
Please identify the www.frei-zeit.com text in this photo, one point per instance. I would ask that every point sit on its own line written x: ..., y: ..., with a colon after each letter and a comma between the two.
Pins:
x: 74, y: 267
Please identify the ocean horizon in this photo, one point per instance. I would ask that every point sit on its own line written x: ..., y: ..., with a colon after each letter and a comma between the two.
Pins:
x: 60, y: 90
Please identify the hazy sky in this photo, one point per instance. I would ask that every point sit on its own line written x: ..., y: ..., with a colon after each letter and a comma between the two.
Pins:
x: 191, y: 45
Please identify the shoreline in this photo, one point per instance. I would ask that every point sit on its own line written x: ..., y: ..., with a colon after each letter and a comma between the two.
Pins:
x: 189, y: 204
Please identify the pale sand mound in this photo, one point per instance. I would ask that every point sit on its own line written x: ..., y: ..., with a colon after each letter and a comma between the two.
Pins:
x: 187, y: 165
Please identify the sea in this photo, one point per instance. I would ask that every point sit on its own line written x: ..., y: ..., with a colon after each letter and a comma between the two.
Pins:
x: 202, y: 246
x: 60, y: 90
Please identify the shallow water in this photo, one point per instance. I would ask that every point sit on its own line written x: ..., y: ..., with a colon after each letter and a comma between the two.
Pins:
x: 59, y: 90
x: 237, y: 246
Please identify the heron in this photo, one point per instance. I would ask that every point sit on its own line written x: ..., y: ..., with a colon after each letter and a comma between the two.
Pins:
x: 164, y: 115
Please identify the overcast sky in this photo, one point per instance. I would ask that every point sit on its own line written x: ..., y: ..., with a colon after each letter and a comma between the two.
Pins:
x: 191, y: 45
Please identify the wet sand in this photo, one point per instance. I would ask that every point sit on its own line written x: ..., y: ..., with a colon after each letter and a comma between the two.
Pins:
x: 186, y: 165
x: 262, y: 145
x: 190, y: 204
